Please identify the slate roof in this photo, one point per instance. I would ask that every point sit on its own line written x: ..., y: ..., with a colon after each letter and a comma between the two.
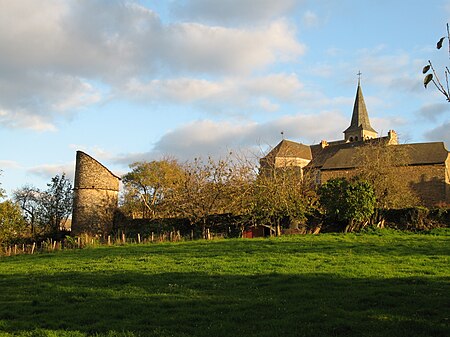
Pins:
x: 360, y: 117
x: 416, y: 154
x: 290, y: 149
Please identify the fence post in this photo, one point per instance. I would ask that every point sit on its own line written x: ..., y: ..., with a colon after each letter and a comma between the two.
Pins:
x: 123, y: 238
x: 33, y: 247
x: 139, y: 238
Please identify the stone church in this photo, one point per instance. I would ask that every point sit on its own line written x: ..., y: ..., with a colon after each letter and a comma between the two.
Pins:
x: 426, y: 170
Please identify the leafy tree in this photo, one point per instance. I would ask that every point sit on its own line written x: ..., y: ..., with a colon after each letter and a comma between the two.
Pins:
x: 432, y: 76
x: 213, y: 187
x: 149, y: 184
x: 280, y: 193
x: 2, y: 191
x: 12, y: 224
x: 348, y: 202
x: 56, y: 203
x: 380, y: 165
x: 28, y: 198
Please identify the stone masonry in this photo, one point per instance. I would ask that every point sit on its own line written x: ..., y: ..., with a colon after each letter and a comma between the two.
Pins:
x: 96, y: 191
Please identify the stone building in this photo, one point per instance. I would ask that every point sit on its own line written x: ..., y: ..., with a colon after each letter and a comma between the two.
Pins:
x: 425, y: 168
x: 96, y: 191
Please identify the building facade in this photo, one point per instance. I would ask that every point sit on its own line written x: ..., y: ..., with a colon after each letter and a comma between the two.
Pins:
x: 424, y: 168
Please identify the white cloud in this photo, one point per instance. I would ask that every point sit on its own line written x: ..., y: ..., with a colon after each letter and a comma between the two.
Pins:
x: 48, y: 171
x: 206, y: 137
x: 233, y: 11
x: 232, y: 95
x: 56, y: 52
x: 24, y: 119
x: 310, y: 19
x: 9, y: 164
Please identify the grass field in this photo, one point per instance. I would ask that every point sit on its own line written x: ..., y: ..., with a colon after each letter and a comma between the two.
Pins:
x: 380, y: 284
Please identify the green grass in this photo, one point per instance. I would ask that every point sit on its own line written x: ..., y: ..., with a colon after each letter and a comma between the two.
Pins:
x: 381, y: 284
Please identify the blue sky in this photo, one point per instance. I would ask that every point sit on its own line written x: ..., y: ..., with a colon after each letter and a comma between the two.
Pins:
x: 139, y: 80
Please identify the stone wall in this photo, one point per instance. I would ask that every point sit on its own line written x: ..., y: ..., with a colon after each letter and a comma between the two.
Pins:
x: 96, y: 191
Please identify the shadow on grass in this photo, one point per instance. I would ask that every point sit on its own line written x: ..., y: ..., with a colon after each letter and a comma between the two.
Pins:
x: 199, y: 304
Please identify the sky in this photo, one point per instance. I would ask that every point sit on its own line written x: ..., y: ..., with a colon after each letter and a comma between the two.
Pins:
x: 127, y: 81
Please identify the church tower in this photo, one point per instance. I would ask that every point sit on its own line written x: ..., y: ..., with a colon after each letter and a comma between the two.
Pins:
x: 360, y: 128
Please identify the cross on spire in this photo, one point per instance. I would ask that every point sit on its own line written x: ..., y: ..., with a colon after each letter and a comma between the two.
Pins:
x: 359, y: 75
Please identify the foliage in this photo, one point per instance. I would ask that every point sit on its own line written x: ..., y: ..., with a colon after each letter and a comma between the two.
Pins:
x: 28, y: 198
x: 283, y: 192
x: 149, y: 186
x: 46, y: 211
x: 389, y: 284
x: 347, y: 201
x: 217, y: 186
x: 2, y: 191
x: 12, y: 224
x: 433, y: 76
x: 380, y: 164
x: 56, y: 203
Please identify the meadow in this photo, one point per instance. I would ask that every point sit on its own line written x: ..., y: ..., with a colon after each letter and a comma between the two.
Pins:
x: 384, y: 283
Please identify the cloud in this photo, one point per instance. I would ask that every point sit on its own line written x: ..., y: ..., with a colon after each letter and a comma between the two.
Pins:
x: 310, y: 19
x: 48, y: 171
x: 433, y: 111
x: 229, y: 95
x: 59, y: 56
x: 440, y: 133
x: 8, y: 164
x: 233, y: 11
x: 202, y: 138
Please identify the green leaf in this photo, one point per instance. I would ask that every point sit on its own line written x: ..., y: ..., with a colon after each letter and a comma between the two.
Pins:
x: 426, y: 68
x: 439, y: 44
x: 427, y: 79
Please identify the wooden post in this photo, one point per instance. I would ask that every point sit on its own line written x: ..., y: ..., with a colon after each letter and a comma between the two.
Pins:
x: 152, y: 237
x: 15, y: 249
x: 123, y: 238
x: 139, y: 238
x: 109, y: 240
x: 192, y: 234
x: 33, y: 247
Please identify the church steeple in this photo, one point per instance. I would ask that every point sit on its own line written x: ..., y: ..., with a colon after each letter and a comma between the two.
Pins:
x: 360, y: 128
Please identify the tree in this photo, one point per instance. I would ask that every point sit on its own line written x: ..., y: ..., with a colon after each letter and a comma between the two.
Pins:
x: 221, y: 186
x: 149, y: 185
x: 12, y: 224
x: 380, y: 165
x: 283, y: 192
x: 348, y: 202
x: 2, y: 191
x: 28, y: 198
x: 56, y: 203
x: 433, y: 76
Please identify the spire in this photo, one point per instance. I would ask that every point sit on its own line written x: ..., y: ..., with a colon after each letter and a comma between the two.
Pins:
x: 360, y: 117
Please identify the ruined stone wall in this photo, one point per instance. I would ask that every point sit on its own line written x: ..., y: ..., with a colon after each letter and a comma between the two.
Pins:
x: 96, y: 191
x: 431, y: 183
